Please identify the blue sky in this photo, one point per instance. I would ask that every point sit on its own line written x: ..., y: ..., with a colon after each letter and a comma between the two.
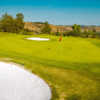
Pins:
x: 65, y: 12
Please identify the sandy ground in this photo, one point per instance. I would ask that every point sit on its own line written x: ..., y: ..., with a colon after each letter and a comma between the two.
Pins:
x: 19, y: 84
x: 38, y: 39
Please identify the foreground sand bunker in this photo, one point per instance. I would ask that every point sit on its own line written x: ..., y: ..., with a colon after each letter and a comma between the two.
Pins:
x: 18, y: 84
x: 38, y: 39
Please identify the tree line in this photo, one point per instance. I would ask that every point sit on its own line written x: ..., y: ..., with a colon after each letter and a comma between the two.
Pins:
x: 16, y: 25
x: 78, y: 32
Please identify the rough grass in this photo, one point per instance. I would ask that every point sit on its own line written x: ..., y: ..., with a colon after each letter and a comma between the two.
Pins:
x: 70, y: 67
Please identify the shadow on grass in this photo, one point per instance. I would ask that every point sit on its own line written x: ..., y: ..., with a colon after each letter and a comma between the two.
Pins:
x: 90, y: 68
x: 55, y: 95
x: 74, y: 97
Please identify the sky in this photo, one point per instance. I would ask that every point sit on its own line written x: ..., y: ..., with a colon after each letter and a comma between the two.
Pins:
x: 58, y: 12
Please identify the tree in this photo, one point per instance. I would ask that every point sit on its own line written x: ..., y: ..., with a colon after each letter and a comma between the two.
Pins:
x: 46, y: 28
x: 10, y: 24
x: 20, y: 16
x: 19, y: 22
x: 7, y: 23
x: 76, y: 28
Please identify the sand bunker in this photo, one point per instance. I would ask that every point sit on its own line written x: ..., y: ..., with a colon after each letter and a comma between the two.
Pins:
x: 38, y: 39
x: 18, y: 84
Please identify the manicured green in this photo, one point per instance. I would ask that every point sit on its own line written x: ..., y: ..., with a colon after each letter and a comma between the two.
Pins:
x: 70, y: 67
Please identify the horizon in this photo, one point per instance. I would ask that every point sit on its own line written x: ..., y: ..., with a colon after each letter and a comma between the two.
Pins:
x: 60, y: 12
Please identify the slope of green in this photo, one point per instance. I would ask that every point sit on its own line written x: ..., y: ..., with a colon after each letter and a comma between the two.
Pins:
x: 71, y: 67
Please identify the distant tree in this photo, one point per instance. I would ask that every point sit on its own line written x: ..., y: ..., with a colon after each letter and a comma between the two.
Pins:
x: 76, y: 28
x: 94, y: 30
x: 10, y: 24
x: 6, y: 23
x: 20, y: 17
x: 46, y: 28
x: 19, y: 22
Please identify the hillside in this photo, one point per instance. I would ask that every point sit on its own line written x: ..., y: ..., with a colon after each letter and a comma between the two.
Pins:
x: 36, y: 27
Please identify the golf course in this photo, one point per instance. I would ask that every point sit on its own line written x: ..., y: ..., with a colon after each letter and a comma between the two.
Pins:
x: 71, y: 67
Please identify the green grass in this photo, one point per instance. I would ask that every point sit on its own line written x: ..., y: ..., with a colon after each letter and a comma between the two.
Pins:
x: 70, y: 67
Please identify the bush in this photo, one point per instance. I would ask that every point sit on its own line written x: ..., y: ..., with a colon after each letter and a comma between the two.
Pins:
x: 85, y: 34
x: 72, y: 33
x: 25, y: 32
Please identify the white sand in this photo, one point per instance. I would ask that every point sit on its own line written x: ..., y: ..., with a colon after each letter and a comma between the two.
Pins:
x: 38, y: 39
x: 19, y: 84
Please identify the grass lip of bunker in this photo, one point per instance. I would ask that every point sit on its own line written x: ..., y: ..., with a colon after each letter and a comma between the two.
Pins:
x: 19, y: 84
x: 38, y: 39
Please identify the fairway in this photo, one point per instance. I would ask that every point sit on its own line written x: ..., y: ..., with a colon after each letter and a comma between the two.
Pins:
x: 71, y: 67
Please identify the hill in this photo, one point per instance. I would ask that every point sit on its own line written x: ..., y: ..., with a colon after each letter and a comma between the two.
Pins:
x: 36, y: 27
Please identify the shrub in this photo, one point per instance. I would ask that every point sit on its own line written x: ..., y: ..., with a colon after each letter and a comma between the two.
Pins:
x: 73, y: 33
x: 25, y: 32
